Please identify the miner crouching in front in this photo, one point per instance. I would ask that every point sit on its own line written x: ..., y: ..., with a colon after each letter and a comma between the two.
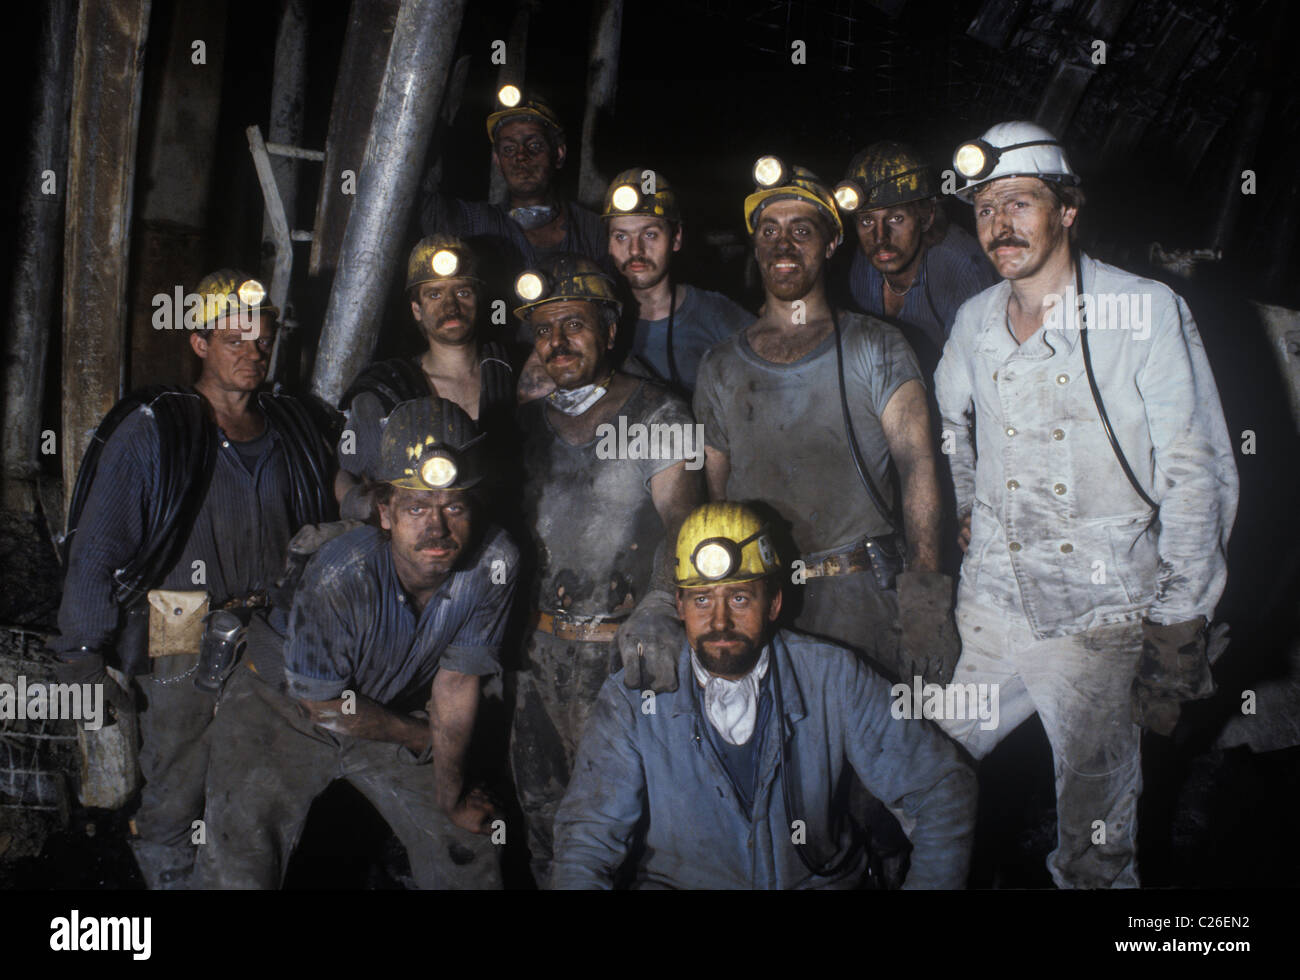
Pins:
x: 738, y: 773
x: 178, y: 528
x: 385, y: 624
x: 602, y: 513
x: 1097, y: 492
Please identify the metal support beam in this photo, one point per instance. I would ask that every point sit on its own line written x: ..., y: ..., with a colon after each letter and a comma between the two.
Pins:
x: 288, y: 93
x: 602, y: 83
x: 107, y: 75
x: 424, y: 40
x: 39, y: 233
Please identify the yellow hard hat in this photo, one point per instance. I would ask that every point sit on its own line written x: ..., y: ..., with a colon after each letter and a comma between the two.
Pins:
x: 232, y: 291
x: 627, y: 194
x: 721, y: 543
x: 512, y: 105
x: 440, y: 257
x: 774, y: 181
x: 564, y: 276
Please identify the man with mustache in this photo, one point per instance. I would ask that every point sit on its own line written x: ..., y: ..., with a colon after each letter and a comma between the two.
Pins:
x: 599, y: 521
x: 1094, y: 549
x: 770, y: 402
x: 386, y: 626
x: 676, y: 323
x: 185, y: 503
x: 913, y: 268
x: 735, y: 775
x: 446, y: 296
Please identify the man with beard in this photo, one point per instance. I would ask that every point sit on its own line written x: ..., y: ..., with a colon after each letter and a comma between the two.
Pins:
x: 185, y: 503
x: 913, y: 268
x: 735, y: 776
x: 1097, y: 494
x: 384, y: 621
x: 676, y: 323
x: 445, y: 293
x: 611, y: 467
x: 773, y: 400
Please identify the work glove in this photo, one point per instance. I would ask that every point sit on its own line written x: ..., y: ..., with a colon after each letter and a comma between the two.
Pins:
x: 649, y: 643
x: 929, y: 644
x: 1173, y: 668
x: 90, y: 669
x: 309, y: 540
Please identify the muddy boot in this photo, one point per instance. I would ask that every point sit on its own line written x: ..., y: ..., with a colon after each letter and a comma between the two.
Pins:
x: 164, y: 867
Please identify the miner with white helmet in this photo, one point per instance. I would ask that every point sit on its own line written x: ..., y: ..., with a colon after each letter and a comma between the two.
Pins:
x: 753, y: 743
x: 1096, y: 494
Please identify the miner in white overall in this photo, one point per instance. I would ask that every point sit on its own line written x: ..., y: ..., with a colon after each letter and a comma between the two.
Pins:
x: 1095, y: 495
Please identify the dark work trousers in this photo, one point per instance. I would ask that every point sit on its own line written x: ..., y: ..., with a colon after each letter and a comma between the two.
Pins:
x: 854, y: 612
x: 269, y: 762
x: 174, y: 723
x: 555, y: 693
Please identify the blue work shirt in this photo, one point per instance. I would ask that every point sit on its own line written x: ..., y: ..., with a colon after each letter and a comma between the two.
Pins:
x: 951, y: 272
x: 703, y: 319
x: 832, y: 713
x: 489, y: 226
x: 353, y: 626
x: 236, y: 546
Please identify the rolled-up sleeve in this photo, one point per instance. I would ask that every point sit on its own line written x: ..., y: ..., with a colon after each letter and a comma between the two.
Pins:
x: 605, y: 798
x: 319, y: 654
x: 1196, y: 475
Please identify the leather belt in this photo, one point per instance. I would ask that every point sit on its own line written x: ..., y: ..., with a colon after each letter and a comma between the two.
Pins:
x: 568, y: 629
x: 844, y: 562
x: 254, y: 600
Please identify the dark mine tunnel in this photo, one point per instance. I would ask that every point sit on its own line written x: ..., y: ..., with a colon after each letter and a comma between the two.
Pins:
x: 239, y: 547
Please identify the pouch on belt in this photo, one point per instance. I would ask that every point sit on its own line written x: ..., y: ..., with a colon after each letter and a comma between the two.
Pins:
x: 176, y: 622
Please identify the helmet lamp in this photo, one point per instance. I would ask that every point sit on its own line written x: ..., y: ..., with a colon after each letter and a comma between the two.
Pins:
x: 445, y: 262
x: 509, y: 96
x: 625, y: 198
x: 769, y: 171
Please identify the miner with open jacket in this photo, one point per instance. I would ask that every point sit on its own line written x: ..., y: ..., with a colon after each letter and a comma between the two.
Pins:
x: 184, y: 507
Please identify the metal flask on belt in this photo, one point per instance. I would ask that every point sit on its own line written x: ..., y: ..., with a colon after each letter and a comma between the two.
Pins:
x: 220, y: 648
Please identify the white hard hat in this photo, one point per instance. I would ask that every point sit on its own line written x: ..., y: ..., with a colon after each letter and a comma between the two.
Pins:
x: 1011, y: 149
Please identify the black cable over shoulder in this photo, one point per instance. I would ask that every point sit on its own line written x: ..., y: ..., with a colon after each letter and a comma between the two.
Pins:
x: 864, y: 474
x: 1096, y: 392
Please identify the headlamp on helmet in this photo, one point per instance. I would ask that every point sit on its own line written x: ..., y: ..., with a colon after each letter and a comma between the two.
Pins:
x: 719, y: 558
x: 509, y: 96
x: 847, y: 196
x: 438, y: 469
x: 444, y: 262
x: 625, y: 198
x: 975, y: 160
x: 769, y: 171
x: 532, y: 285
x: 251, y: 292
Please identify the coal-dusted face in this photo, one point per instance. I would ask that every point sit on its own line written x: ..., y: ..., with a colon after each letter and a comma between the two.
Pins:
x: 791, y: 244
x: 527, y: 157
x: 571, y: 341
x: 429, y: 532
x: 1021, y: 224
x: 641, y: 247
x: 236, y: 353
x: 891, y: 237
x: 446, y: 310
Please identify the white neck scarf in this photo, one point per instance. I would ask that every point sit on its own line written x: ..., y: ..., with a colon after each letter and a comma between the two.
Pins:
x: 576, y: 401
x: 731, y: 706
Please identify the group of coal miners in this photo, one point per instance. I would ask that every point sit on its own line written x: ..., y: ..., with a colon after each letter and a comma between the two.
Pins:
x: 697, y: 553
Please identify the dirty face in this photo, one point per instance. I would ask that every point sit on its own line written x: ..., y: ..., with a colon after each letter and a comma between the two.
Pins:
x: 234, y: 358
x: 1021, y: 225
x: 792, y: 244
x: 430, y: 530
x: 891, y: 237
x: 727, y: 625
x: 526, y: 157
x: 571, y: 342
x: 446, y: 310
x: 641, y: 247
